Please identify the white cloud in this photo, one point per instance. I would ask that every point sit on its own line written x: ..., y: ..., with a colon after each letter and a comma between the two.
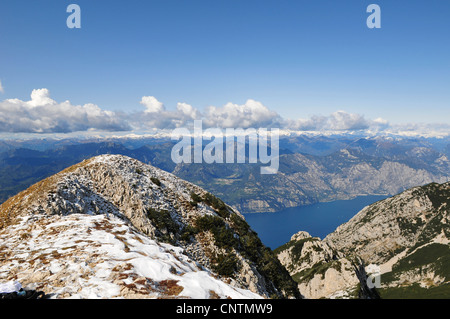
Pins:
x: 42, y: 114
x: 315, y: 123
x: 155, y: 115
x: 337, y: 121
x: 2, y: 90
x: 379, y: 124
x: 188, y: 110
x: 419, y: 129
x: 40, y: 97
x: 343, y: 121
x: 381, y: 121
x: 250, y: 114
x: 152, y: 104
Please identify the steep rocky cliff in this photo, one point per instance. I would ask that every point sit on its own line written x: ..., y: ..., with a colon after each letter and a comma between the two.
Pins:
x: 407, y: 236
x: 318, y: 269
x: 112, y: 226
x: 403, y: 239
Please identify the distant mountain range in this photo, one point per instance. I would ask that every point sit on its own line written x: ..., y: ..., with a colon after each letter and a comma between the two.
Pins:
x: 312, y: 168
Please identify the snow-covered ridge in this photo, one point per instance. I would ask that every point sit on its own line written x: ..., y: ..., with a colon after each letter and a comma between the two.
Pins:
x: 137, y: 226
x: 84, y: 256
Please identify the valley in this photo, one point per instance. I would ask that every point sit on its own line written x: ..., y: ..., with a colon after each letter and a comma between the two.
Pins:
x: 205, y: 216
x: 312, y: 168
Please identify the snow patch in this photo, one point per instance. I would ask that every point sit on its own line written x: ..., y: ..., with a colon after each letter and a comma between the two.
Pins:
x: 89, y: 260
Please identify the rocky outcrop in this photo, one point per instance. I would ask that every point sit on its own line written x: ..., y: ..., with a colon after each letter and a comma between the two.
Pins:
x: 319, y: 271
x: 337, y: 280
x: 403, y: 240
x: 149, y: 203
x: 407, y: 236
x: 396, y: 225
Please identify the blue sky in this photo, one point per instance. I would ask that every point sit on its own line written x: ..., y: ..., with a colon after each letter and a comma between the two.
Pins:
x: 297, y: 58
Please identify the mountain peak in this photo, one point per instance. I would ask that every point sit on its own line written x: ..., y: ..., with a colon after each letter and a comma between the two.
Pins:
x: 166, y: 232
x: 300, y: 236
x: 401, y: 242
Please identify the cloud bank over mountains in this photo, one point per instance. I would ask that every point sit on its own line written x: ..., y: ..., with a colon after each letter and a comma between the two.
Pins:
x: 42, y: 114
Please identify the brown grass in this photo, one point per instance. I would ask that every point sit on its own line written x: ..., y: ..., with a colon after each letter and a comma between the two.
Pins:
x: 170, y: 287
x: 213, y: 295
x: 36, y: 193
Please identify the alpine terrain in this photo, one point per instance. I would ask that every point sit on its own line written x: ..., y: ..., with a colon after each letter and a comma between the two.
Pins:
x: 311, y: 169
x: 401, y: 244
x: 113, y: 227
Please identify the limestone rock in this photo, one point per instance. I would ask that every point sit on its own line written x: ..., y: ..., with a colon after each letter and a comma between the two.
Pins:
x: 125, y: 202
x: 404, y: 240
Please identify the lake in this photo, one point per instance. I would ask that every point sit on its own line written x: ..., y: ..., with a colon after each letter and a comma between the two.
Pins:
x: 276, y: 229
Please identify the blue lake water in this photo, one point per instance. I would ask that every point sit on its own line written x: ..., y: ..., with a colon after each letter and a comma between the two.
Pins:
x: 276, y: 229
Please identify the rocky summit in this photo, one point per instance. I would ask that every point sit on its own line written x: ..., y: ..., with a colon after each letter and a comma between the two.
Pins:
x: 401, y: 243
x: 318, y: 269
x: 113, y: 227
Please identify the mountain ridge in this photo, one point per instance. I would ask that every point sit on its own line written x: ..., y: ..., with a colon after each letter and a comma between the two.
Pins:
x: 314, y: 169
x: 176, y: 215
x: 404, y: 239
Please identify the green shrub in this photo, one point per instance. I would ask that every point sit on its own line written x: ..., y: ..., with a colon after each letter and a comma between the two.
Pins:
x: 434, y: 254
x: 249, y: 246
x: 209, y: 222
x: 155, y: 181
x: 223, y: 236
x: 415, y: 291
x: 269, y: 265
x: 225, y: 264
x: 217, y: 204
x: 188, y: 232
x: 239, y: 224
x: 163, y: 222
x: 195, y: 198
